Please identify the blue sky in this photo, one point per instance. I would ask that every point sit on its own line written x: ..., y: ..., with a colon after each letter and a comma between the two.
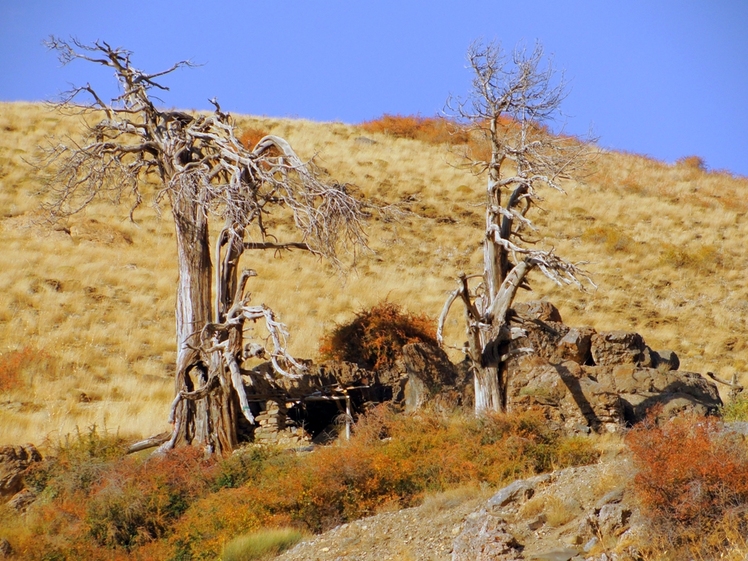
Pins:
x: 663, y: 78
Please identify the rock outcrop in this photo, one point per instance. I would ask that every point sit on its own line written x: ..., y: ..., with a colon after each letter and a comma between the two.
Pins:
x: 582, y: 379
x: 579, y: 378
x: 486, y: 537
x: 293, y: 411
x: 14, y: 462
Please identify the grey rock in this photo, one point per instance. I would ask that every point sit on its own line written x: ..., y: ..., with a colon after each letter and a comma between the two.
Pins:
x: 665, y: 360
x: 612, y: 519
x: 619, y: 347
x: 582, y: 380
x: 590, y: 544
x: 538, y: 523
x: 21, y: 500
x: 486, y: 537
x: 518, y: 491
x: 738, y: 427
x: 566, y: 554
x: 612, y: 497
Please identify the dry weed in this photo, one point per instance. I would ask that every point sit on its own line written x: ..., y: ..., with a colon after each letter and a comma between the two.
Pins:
x: 97, y: 293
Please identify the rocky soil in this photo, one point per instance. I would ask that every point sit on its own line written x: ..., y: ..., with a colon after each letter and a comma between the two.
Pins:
x: 582, y: 513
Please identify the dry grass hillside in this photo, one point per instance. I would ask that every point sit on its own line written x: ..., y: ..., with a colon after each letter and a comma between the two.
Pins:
x: 86, y: 307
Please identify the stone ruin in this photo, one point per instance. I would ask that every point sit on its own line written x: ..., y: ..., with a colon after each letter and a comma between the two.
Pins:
x: 321, y: 403
x: 580, y: 379
x: 584, y: 379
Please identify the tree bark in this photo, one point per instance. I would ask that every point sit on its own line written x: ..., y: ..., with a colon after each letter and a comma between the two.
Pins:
x: 488, y: 394
x: 205, y: 420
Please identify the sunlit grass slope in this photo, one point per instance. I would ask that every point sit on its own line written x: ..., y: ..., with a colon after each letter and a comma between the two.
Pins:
x: 86, y: 307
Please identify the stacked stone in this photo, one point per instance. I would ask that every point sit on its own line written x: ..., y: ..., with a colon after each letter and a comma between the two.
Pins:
x: 273, y: 427
x: 270, y: 421
x: 293, y: 437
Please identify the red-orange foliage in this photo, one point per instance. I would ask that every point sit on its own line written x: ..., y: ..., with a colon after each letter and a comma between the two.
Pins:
x: 434, y: 130
x: 184, y: 507
x: 692, y: 473
x: 251, y: 136
x: 14, y: 363
x: 375, y: 337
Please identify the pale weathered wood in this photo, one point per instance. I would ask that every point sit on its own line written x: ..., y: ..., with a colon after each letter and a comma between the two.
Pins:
x: 204, y: 173
x: 511, y: 98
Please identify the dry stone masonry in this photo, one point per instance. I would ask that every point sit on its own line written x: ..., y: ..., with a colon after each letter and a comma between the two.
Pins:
x: 580, y: 379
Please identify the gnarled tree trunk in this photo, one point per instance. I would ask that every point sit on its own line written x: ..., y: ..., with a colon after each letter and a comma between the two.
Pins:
x: 505, y: 110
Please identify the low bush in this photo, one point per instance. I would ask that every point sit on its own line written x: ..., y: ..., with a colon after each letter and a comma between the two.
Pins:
x: 692, y: 482
x: 392, y: 461
x: 375, y: 337
x: 251, y: 136
x: 611, y: 237
x: 692, y: 162
x: 76, y: 462
x: 18, y: 368
x: 96, y: 503
x: 701, y: 258
x: 736, y: 409
x: 261, y: 545
x: 138, y: 501
x: 434, y: 130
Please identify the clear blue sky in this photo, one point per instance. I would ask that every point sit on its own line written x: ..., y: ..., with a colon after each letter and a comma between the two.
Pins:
x: 664, y: 78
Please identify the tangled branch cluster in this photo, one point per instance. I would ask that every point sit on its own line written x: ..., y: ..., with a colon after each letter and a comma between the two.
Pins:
x: 196, y: 159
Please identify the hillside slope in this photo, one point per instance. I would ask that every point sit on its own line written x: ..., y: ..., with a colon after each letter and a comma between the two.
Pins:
x: 86, y: 307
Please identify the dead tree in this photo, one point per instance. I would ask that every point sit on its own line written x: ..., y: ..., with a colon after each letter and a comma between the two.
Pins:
x: 511, y: 100
x: 196, y: 165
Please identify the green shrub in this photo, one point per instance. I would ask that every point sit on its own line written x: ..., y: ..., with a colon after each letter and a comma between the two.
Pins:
x: 76, y: 463
x: 736, y: 409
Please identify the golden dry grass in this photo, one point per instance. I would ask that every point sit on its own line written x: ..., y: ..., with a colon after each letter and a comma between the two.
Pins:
x: 665, y: 245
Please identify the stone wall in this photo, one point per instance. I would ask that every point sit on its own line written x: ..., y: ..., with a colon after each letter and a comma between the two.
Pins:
x: 584, y: 379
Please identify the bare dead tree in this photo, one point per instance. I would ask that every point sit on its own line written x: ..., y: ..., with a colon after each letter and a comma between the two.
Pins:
x: 511, y: 100
x: 196, y: 165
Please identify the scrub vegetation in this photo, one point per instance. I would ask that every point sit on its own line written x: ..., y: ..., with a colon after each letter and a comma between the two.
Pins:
x: 87, y: 351
x: 97, y: 503
x: 90, y: 304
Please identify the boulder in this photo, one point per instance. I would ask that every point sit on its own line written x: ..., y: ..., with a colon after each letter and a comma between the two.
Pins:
x: 485, y: 537
x: 567, y: 395
x: 665, y: 360
x: 619, y: 347
x: 423, y: 371
x: 582, y: 379
x: 5, y: 549
x: 14, y: 461
x: 538, y: 310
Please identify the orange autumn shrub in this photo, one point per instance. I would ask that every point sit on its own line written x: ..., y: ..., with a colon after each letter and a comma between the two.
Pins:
x: 434, y: 130
x: 374, y: 338
x: 18, y: 368
x: 97, y: 503
x: 391, y: 460
x: 251, y: 136
x: 692, y: 479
